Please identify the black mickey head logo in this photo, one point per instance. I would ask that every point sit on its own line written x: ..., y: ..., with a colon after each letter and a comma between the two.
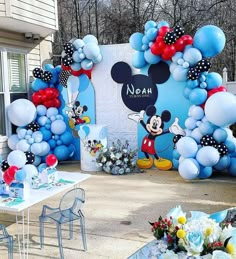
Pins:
x: 139, y: 91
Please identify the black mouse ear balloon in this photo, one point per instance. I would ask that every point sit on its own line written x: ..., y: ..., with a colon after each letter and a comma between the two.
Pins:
x: 159, y: 72
x: 121, y: 72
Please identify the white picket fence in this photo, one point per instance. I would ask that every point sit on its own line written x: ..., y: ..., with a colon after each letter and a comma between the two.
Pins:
x: 231, y: 86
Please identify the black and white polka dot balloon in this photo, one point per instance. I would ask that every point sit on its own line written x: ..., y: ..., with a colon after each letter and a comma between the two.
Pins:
x: 34, y: 126
x: 30, y: 157
x: 63, y: 77
x: 170, y: 38
x: 222, y: 149
x: 4, y: 165
x: 203, y: 65
x: 176, y: 138
x: 69, y: 48
x: 179, y: 31
x: 67, y: 60
x: 47, y: 76
x: 38, y: 72
x: 193, y: 73
x: 207, y: 140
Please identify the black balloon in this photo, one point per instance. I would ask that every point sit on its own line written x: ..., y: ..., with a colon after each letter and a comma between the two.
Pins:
x: 222, y: 149
x: 170, y: 38
x: 47, y: 76
x: 38, y: 72
x: 34, y: 126
x: 207, y: 140
x: 69, y: 48
x: 67, y: 60
x: 179, y: 31
x: 176, y: 138
x: 193, y: 73
x: 30, y: 157
x: 203, y: 65
x: 63, y: 77
x: 4, y: 165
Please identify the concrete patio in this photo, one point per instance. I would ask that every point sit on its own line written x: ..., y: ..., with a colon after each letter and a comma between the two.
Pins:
x: 117, y: 211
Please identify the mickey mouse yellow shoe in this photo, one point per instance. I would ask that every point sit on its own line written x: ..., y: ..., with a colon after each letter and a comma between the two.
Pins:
x: 163, y: 164
x: 71, y: 123
x: 145, y: 163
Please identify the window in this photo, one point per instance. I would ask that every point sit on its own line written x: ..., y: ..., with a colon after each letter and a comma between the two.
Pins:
x: 13, y: 85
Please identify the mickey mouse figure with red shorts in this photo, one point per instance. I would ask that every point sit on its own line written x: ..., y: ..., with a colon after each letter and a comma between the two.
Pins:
x: 155, y: 127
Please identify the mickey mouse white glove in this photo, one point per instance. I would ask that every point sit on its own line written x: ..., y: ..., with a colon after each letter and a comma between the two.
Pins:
x: 176, y: 129
x: 137, y: 117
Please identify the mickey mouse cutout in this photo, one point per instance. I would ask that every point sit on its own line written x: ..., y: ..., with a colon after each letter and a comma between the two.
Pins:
x: 155, y: 127
x: 139, y: 91
x: 75, y: 114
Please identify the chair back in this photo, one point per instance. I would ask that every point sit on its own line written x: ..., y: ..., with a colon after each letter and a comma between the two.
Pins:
x: 72, y: 202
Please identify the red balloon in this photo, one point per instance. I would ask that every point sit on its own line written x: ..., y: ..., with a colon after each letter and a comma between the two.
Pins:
x: 88, y: 72
x: 188, y: 40
x: 51, y: 160
x: 65, y: 67
x: 9, y: 174
x: 57, y: 103
x: 179, y: 45
x: 76, y: 73
x: 36, y: 98
x: 216, y: 90
x: 48, y: 92
x: 163, y: 30
x: 154, y: 49
x: 168, y: 52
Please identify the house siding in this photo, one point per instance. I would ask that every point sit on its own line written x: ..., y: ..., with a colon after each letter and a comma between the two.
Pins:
x: 36, y: 54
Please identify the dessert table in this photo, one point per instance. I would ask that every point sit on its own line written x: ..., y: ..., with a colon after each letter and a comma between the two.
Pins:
x: 66, y: 180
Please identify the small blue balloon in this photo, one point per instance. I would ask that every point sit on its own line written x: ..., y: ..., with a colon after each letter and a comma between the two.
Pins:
x: 62, y: 152
x: 20, y: 175
x: 42, y: 167
x: 151, y: 34
x: 232, y: 166
x: 150, y: 58
x: 162, y: 23
x: 180, y: 74
x: 138, y: 60
x: 220, y: 135
x: 66, y: 138
x: 205, y: 172
x: 213, y: 80
x: 52, y: 143
x: 192, y: 56
x: 38, y: 84
x: 52, y: 111
x: 150, y: 24
x: 58, y: 127
x: 198, y: 96
x: 223, y: 163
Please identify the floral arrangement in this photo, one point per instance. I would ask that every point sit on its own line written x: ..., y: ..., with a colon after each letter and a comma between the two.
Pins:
x: 118, y: 159
x: 200, y: 236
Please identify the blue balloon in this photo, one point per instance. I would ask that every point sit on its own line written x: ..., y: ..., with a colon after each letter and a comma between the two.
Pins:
x: 31, y: 171
x: 62, y: 152
x: 66, y: 138
x: 220, y: 109
x: 187, y: 92
x: 151, y: 34
x: 135, y: 41
x: 42, y: 167
x: 206, y: 128
x: 205, y: 172
x: 192, y: 56
x: 213, y: 80
x: 192, y: 83
x: 47, y: 134
x: 231, y: 145
x: 87, y: 64
x: 23, y: 145
x: 198, y: 96
x: 150, y: 58
x: 89, y: 38
x: 220, y: 135
x: 138, y: 60
x: 38, y: 84
x: 49, y: 67
x: 41, y: 110
x: 189, y: 169
x: 175, y: 163
x: 78, y: 43
x: 21, y: 133
x: 37, y: 160
x: 176, y: 154
x: 190, y: 123
x: 162, y: 23
x: 16, y: 158
x: 37, y: 136
x: 196, y: 135
x: 71, y: 149
x: 52, y: 143
x: 20, y: 175
x: 91, y: 51
x: 76, y: 66
x: 219, y: 216
x: 52, y: 111
x: 180, y: 74
x: 187, y: 147
x: 58, y: 127
x: 21, y: 112
x: 210, y: 40
x: 150, y: 24
x: 196, y: 112
x: 42, y: 120
x: 223, y: 163
x: 208, y: 156
x: 76, y: 57
x: 12, y: 141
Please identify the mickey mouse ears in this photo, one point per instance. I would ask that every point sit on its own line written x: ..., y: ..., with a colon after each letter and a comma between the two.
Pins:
x: 121, y: 73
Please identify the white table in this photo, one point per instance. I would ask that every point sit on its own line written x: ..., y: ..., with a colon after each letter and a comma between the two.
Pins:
x: 36, y: 196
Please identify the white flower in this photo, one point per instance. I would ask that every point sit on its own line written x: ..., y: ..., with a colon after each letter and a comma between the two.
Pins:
x: 217, y: 254
x: 208, y: 256
x: 227, y: 232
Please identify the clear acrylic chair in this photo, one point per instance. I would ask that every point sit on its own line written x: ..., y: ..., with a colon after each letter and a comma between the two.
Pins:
x: 5, y: 237
x: 69, y: 210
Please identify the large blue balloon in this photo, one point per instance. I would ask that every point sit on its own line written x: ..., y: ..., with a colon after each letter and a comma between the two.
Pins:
x: 187, y: 147
x: 198, y: 96
x: 135, y: 41
x: 208, y: 156
x: 189, y: 169
x: 220, y: 109
x: 213, y: 80
x: 192, y: 56
x: 21, y: 112
x: 16, y: 158
x: 210, y: 40
x: 58, y: 127
x: 62, y: 152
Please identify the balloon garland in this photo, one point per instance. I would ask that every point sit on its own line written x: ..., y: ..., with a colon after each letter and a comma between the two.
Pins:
x: 208, y: 145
